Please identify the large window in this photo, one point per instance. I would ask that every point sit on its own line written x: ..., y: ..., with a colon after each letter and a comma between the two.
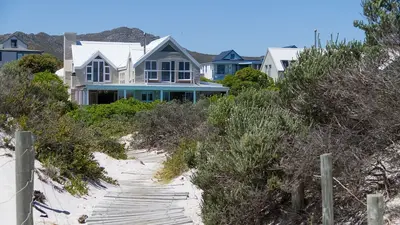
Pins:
x: 1, y: 56
x: 151, y: 70
x: 147, y: 96
x: 184, y: 71
x: 220, y: 69
x: 98, y: 71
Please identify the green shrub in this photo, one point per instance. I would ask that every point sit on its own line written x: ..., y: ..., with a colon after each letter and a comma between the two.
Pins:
x: 168, y: 123
x: 178, y: 162
x: 238, y: 169
x: 36, y: 63
x: 247, y: 78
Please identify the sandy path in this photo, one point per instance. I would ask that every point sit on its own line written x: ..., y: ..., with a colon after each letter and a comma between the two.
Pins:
x: 139, y: 199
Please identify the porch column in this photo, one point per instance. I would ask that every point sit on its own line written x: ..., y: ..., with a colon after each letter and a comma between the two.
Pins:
x: 194, y: 96
x: 87, y: 97
x: 161, y: 95
x: 78, y: 97
x: 82, y: 97
x: 124, y: 94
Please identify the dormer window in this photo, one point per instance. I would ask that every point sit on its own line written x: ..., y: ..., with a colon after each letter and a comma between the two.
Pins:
x: 285, y: 64
x: 13, y: 43
x: 232, y: 56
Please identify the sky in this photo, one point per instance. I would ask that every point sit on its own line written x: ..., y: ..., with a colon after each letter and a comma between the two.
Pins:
x: 206, y: 26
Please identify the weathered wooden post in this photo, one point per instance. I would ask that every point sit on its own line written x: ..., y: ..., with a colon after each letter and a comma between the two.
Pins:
x: 327, y: 189
x: 375, y: 209
x: 298, y: 196
x: 24, y: 166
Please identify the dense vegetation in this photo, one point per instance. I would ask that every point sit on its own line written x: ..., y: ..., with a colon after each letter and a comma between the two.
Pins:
x: 257, y: 145
x: 33, y: 98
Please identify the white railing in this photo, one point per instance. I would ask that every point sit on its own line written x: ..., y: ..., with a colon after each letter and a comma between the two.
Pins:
x: 173, y: 75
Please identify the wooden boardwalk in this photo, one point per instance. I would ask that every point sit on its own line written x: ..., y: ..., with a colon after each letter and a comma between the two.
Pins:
x: 141, y: 201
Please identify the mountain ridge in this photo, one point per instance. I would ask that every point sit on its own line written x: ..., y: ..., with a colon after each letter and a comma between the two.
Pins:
x: 53, y: 44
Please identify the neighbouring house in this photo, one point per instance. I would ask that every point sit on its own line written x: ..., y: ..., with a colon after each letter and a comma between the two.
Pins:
x: 227, y: 62
x: 277, y: 60
x: 103, y: 72
x: 13, y: 48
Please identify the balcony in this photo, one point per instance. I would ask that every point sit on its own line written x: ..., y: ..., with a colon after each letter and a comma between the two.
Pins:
x: 168, y: 76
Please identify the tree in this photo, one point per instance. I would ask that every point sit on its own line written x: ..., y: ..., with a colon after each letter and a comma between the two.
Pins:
x: 247, y: 78
x: 36, y: 63
x: 382, y: 20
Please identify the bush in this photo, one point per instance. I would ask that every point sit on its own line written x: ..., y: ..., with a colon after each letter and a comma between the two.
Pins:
x: 238, y: 169
x: 179, y: 161
x: 35, y: 63
x: 168, y: 123
x: 247, y: 78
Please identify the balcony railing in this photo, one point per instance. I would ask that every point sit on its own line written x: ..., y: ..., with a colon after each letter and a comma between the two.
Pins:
x: 169, y: 76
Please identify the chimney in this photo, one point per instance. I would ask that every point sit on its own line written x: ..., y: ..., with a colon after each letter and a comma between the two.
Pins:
x: 69, y: 40
x: 315, y: 38
x: 145, y: 43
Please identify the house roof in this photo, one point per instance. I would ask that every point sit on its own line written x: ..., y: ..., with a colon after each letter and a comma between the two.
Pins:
x: 223, y: 54
x: 280, y: 54
x: 117, y: 54
x: 11, y: 36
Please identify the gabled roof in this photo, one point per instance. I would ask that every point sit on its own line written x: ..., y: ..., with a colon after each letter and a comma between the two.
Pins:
x: 280, y: 54
x: 157, y: 44
x: 115, y: 53
x: 223, y: 54
x: 13, y: 35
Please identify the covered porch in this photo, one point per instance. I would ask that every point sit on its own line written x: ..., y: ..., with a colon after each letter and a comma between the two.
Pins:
x: 108, y: 93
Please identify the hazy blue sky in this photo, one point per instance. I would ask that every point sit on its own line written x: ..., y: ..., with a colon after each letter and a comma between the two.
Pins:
x: 208, y: 26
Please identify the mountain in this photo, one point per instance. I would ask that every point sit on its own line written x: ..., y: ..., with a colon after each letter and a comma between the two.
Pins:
x: 53, y: 44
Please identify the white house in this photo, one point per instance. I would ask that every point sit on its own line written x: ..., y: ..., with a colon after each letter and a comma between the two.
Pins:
x: 276, y: 60
x: 103, y: 72
x: 13, y: 48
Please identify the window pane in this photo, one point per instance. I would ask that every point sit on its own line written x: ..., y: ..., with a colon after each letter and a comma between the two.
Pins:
x: 172, y: 65
x: 106, y: 64
x: 154, y: 65
x: 181, y: 64
x: 187, y: 66
x: 180, y: 75
x: 187, y: 75
x: 107, y: 69
x: 107, y: 76
x: 95, y: 71
x: 150, y: 97
x: 144, y: 97
x: 101, y: 72
x: 147, y: 65
x: 89, y: 69
x: 89, y: 76
x: 89, y: 64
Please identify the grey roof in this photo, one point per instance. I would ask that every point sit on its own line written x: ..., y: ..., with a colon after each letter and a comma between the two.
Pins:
x: 222, y: 55
x: 19, y: 50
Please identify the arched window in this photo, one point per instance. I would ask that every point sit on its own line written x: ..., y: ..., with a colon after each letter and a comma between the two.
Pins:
x: 98, y: 71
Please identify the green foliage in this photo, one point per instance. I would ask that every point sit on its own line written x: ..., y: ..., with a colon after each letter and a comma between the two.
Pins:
x: 124, y: 107
x: 247, y: 78
x: 35, y: 63
x: 205, y: 79
x: 241, y: 163
x: 314, y: 64
x: 169, y: 122
x: 179, y: 162
x: 76, y: 186
x: 382, y: 20
x: 50, y: 85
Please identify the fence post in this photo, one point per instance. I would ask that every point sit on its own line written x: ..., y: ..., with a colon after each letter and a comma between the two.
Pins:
x: 327, y: 189
x: 298, y: 197
x: 24, y: 167
x: 375, y: 209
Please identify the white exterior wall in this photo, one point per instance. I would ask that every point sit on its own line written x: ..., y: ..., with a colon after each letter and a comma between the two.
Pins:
x: 272, y: 72
x: 207, y: 70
